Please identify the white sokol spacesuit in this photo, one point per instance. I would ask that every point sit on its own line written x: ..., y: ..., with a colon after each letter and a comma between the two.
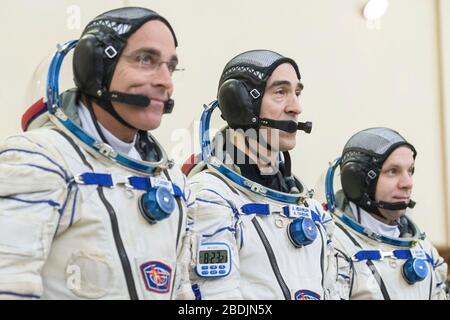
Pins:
x: 253, y: 241
x: 376, y: 260
x: 80, y: 220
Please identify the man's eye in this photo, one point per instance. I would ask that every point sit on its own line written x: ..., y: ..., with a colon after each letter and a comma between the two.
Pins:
x: 392, y: 171
x: 172, y: 66
x: 280, y: 92
x: 144, y: 59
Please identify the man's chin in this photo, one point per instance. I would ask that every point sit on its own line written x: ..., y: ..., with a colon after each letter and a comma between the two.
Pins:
x: 392, y: 215
x: 151, y: 124
x: 287, y: 146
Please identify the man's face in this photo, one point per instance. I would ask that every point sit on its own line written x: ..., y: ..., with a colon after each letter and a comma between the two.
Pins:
x: 281, y: 102
x: 140, y: 71
x: 395, y: 181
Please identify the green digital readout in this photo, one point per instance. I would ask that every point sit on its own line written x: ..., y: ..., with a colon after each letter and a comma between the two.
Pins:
x: 213, y: 256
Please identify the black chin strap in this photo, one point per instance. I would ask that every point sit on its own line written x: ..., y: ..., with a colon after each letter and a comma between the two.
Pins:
x: 373, y: 206
x: 136, y: 100
x: 108, y: 107
x: 132, y: 99
x: 290, y: 181
x: 394, y: 206
x: 95, y: 121
x: 286, y: 125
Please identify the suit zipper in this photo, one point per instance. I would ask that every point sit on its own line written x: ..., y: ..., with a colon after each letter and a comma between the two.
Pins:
x: 322, y: 267
x: 272, y: 259
x: 128, y: 273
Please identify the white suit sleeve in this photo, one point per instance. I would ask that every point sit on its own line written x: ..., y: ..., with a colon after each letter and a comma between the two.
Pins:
x: 33, y: 192
x: 183, y: 288
x: 344, y: 273
x: 439, y: 291
x: 215, y: 219
x: 337, y: 273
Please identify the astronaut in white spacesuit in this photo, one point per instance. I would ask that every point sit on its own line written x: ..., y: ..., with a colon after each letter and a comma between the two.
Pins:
x: 382, y: 252
x: 90, y: 205
x: 259, y: 234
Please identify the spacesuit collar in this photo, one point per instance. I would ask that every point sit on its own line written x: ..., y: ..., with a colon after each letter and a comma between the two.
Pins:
x: 69, y: 102
x: 153, y: 154
x: 251, y: 187
x: 369, y: 221
x: 250, y: 170
x: 347, y: 214
x: 88, y: 125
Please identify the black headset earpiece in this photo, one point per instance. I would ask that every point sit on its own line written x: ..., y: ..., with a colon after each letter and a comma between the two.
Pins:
x: 353, y: 180
x: 236, y: 103
x: 240, y: 103
x: 87, y: 73
x: 94, y: 61
x: 358, y: 178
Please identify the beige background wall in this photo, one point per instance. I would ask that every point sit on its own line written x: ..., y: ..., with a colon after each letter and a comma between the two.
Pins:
x: 355, y: 77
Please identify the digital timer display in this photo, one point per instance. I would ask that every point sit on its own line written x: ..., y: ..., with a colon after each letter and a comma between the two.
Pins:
x: 213, y: 256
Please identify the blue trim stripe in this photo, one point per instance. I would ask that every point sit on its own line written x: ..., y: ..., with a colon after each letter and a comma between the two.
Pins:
x: 73, y: 206
x: 177, y: 191
x: 42, y: 168
x: 22, y: 295
x: 183, y: 192
x: 205, y: 120
x: 367, y: 255
x: 232, y: 206
x: 232, y: 230
x: 188, y: 196
x: 242, y: 237
x: 246, y: 183
x: 49, y: 202
x: 190, y: 204
x: 28, y: 139
x: 37, y: 153
x: 329, y: 191
x: 196, y: 290
x: 101, y: 179
x: 256, y: 208
x: 46, y: 169
x: 226, y: 200
x: 377, y: 255
x: 359, y: 228
x: 69, y: 189
x: 140, y: 183
x: 90, y: 142
x: 406, y: 254
x: 264, y: 209
x: 343, y: 276
x: 61, y: 210
x: 212, y: 202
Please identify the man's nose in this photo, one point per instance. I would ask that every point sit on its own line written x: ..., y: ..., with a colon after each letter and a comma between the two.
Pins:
x: 163, y: 76
x: 294, y: 106
x: 406, y: 181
